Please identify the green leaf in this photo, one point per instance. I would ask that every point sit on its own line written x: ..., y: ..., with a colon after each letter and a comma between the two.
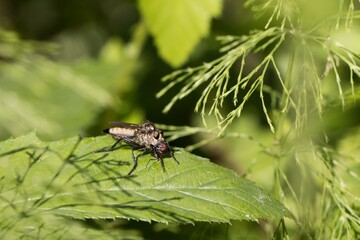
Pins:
x: 55, y: 98
x: 178, y: 25
x: 52, y: 98
x: 69, y: 178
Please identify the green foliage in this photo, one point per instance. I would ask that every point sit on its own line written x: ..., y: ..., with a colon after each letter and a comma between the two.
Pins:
x: 40, y: 182
x: 217, y: 73
x: 178, y: 26
x: 292, y: 96
x: 59, y: 99
x: 54, y: 98
x: 278, y: 105
x: 299, y: 65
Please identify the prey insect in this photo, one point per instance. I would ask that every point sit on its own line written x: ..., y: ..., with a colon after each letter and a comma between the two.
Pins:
x: 145, y: 137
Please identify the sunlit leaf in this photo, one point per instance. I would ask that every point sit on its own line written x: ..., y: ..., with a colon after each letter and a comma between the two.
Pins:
x: 69, y: 178
x: 55, y: 98
x: 178, y: 25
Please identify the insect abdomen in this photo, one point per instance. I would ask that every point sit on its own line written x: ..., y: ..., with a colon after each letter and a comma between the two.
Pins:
x: 120, y: 132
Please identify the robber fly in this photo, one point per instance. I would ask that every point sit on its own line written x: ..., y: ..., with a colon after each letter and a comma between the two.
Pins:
x: 144, y: 137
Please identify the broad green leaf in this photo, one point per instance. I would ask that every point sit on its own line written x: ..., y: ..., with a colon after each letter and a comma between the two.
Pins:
x: 53, y: 98
x: 58, y: 99
x: 69, y: 178
x: 178, y: 25
x: 51, y: 226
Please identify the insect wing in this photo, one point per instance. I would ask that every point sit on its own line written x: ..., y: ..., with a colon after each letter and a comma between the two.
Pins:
x: 124, y: 125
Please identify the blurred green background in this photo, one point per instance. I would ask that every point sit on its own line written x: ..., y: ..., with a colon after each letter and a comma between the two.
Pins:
x: 69, y: 67
x: 92, y: 62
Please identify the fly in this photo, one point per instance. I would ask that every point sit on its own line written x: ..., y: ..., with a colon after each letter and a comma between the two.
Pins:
x: 145, y: 136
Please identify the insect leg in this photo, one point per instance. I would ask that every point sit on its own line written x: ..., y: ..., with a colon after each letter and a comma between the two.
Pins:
x: 111, y: 148
x: 114, y: 145
x: 162, y: 164
x: 172, y: 154
x: 135, y: 162
x: 135, y: 158
x: 159, y: 158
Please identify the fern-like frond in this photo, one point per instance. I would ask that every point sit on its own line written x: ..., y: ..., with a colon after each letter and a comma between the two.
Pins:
x: 216, y: 74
